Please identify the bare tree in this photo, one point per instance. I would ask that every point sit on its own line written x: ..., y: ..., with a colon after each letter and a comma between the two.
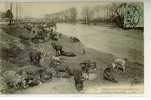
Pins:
x: 73, y: 14
x: 87, y: 14
x: 97, y: 11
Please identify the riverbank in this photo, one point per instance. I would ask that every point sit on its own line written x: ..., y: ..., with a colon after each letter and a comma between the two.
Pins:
x: 133, y: 71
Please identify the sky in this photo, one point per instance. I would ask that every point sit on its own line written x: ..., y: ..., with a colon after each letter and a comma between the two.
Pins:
x: 40, y: 9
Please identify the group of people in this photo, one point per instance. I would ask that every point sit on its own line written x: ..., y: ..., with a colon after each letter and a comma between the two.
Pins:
x: 117, y: 64
x: 86, y: 66
x: 60, y: 52
x: 41, y: 31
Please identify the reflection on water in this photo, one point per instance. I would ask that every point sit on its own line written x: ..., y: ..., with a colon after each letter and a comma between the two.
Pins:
x: 122, y: 43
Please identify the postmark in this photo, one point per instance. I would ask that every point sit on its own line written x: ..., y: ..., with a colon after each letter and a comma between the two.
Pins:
x: 129, y: 15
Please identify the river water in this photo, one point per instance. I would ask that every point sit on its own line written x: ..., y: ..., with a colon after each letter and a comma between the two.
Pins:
x: 122, y: 43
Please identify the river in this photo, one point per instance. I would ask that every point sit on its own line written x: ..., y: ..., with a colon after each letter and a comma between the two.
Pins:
x: 122, y: 43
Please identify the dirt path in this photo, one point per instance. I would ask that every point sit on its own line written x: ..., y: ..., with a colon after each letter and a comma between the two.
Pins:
x: 66, y: 86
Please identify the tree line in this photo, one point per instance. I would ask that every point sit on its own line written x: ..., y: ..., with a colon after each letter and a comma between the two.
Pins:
x: 87, y: 15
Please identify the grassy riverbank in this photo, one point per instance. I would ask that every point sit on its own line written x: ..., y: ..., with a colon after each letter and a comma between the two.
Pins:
x: 134, y: 71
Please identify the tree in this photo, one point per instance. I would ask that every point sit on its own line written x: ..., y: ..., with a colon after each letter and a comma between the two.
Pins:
x: 97, y: 11
x: 87, y: 15
x: 73, y: 14
x: 9, y: 15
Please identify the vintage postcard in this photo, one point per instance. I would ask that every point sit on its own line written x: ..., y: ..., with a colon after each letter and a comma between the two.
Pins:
x: 72, y: 47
